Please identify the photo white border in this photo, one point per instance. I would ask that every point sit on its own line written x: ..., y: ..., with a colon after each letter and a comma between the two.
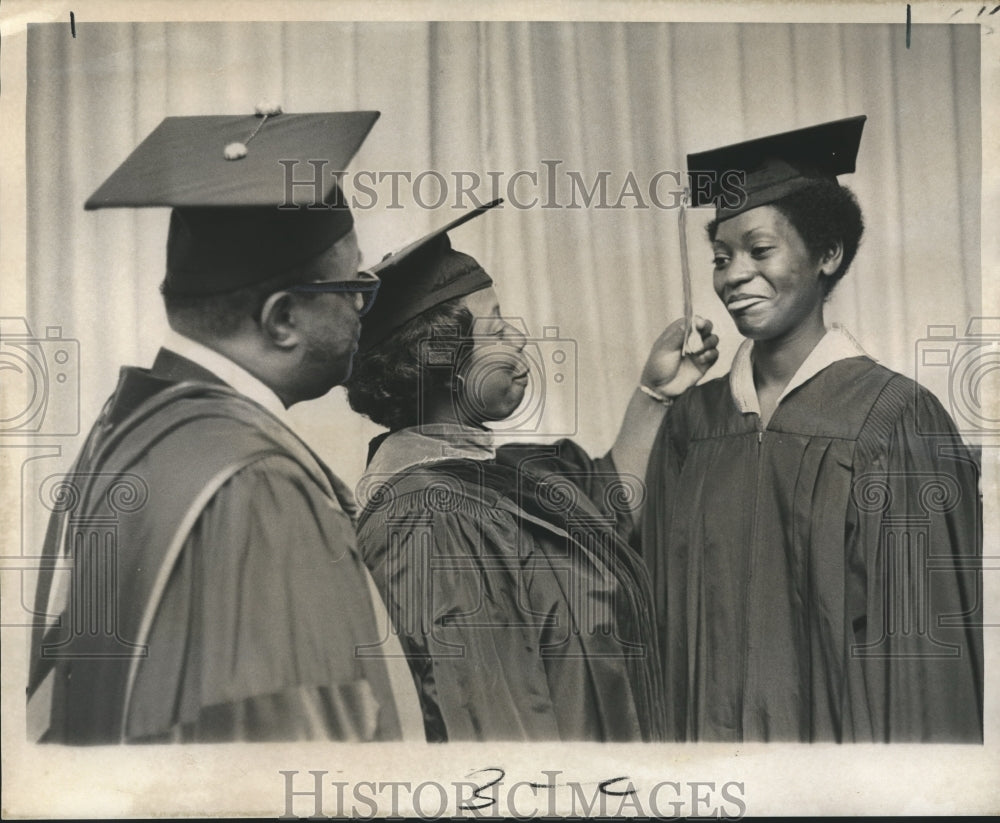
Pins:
x: 244, y: 779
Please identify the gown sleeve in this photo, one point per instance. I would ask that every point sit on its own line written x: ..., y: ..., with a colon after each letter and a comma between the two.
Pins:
x: 914, y: 597
x: 597, y: 477
x: 257, y: 634
x: 666, y: 460
x: 663, y: 473
x: 448, y: 568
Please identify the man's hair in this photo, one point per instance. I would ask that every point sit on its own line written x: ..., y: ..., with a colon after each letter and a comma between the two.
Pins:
x: 389, y: 380
x: 221, y: 315
x: 823, y: 213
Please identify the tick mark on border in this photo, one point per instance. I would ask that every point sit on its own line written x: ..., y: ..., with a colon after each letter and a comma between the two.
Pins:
x: 72, y: 24
x: 907, y: 25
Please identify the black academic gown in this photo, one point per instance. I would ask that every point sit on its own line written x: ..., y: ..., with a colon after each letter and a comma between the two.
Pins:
x: 817, y: 580
x: 524, y: 611
x: 225, y: 600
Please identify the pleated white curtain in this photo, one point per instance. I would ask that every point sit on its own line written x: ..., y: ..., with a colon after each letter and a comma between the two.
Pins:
x: 548, y: 98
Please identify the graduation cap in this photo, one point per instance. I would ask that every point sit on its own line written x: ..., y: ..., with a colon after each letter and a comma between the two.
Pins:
x: 418, y: 277
x: 772, y: 166
x: 252, y: 196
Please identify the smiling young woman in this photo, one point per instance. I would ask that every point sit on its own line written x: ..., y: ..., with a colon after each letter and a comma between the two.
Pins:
x: 808, y: 612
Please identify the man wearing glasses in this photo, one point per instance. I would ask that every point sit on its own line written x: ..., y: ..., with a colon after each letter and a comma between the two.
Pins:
x: 233, y: 604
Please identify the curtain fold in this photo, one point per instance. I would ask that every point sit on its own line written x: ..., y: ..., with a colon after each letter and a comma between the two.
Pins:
x: 553, y: 99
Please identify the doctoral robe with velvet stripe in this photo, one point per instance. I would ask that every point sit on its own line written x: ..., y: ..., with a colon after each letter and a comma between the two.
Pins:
x: 524, y: 612
x: 818, y: 580
x: 256, y: 631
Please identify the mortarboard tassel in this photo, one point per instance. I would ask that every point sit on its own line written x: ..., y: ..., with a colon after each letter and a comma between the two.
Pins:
x: 264, y: 109
x: 692, y: 340
x: 234, y: 151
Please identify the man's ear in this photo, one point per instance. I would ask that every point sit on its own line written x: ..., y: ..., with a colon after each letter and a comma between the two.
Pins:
x: 831, y: 259
x: 278, y: 321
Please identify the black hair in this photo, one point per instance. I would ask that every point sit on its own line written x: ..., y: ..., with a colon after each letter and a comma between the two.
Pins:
x: 221, y: 315
x: 389, y: 381
x: 824, y: 213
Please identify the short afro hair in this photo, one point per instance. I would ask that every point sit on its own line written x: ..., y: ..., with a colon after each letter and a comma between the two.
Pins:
x: 215, y: 316
x: 387, y: 381
x: 824, y: 213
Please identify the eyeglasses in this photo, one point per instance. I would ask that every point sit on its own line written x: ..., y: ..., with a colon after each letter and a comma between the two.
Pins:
x: 366, y: 285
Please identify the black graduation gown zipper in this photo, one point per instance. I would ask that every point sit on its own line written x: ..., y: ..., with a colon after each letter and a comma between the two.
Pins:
x: 749, y: 578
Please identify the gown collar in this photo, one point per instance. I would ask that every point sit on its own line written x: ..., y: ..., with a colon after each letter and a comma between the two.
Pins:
x: 837, y: 344
x: 226, y: 370
x: 430, y: 443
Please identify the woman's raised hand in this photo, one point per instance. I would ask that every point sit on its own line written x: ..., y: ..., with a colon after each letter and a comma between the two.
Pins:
x: 669, y: 373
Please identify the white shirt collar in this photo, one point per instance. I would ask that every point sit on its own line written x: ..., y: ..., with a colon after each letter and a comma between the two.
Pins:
x: 836, y: 344
x: 225, y: 369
